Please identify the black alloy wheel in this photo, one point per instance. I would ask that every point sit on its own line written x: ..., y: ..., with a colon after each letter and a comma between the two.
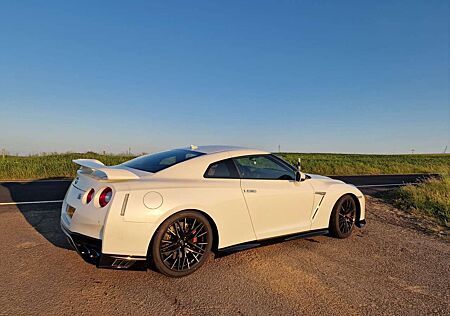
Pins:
x: 182, y: 244
x: 343, y: 217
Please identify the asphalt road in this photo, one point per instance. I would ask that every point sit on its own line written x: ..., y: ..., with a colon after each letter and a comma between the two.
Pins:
x: 54, y: 190
x: 387, y: 268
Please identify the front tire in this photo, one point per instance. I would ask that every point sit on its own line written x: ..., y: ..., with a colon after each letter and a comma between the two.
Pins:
x: 342, y: 218
x: 182, y: 244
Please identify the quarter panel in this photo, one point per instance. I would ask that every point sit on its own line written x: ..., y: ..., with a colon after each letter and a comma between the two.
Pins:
x: 221, y: 199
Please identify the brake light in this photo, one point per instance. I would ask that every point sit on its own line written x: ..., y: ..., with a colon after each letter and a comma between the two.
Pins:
x: 105, y: 197
x: 89, y: 196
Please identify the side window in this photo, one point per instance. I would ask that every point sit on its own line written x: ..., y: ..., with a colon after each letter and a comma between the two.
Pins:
x: 168, y: 161
x: 263, y: 167
x: 222, y: 169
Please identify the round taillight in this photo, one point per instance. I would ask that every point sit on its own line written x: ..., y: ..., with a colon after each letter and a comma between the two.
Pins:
x: 89, y: 196
x: 105, y: 197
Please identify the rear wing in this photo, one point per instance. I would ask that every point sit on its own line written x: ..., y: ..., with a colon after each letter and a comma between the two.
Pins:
x: 97, y: 169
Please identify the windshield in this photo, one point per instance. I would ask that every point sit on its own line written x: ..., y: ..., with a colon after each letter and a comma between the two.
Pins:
x: 157, y: 162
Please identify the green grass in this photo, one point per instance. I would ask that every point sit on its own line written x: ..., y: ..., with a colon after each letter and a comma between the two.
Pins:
x: 60, y: 165
x: 431, y: 198
x: 346, y: 164
x: 50, y: 165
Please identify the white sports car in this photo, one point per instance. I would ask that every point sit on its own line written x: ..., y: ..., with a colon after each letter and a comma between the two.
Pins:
x: 172, y: 209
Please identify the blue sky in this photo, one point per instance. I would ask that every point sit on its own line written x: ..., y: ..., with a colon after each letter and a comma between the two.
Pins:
x: 310, y: 76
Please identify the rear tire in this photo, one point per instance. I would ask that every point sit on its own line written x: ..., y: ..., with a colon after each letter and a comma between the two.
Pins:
x: 342, y: 220
x: 182, y: 244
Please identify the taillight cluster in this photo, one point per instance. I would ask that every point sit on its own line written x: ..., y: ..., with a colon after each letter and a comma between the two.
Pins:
x: 89, y: 196
x: 104, y: 196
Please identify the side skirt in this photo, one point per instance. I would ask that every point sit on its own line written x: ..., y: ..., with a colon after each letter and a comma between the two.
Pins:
x: 222, y: 252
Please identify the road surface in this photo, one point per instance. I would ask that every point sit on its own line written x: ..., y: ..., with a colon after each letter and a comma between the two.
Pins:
x: 387, y: 268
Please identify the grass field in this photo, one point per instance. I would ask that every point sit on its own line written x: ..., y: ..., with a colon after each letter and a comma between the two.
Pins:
x: 346, y: 164
x: 431, y: 198
x: 60, y: 165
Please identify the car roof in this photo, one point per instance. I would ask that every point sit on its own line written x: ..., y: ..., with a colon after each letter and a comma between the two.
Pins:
x: 213, y: 149
x: 195, y: 168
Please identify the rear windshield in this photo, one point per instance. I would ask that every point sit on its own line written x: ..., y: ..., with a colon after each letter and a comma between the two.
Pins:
x: 157, y: 162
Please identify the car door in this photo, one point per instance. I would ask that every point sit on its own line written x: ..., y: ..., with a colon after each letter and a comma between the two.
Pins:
x: 278, y: 205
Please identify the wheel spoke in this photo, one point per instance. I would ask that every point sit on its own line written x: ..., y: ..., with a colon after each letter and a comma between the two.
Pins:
x: 173, y: 265
x: 196, y: 257
x: 346, y: 215
x: 194, y: 251
x: 180, y: 256
x: 178, y: 229
x: 341, y: 225
x: 194, y: 245
x: 168, y: 247
x: 171, y: 231
x: 198, y: 229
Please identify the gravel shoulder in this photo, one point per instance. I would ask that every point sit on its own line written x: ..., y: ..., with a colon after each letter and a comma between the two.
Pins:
x: 390, y: 267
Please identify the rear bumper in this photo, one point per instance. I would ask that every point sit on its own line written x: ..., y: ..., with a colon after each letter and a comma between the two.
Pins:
x: 90, y: 250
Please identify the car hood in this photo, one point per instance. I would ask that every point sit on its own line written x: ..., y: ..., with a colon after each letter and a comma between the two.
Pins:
x: 323, y: 178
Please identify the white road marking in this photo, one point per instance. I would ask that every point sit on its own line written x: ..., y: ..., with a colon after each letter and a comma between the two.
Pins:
x: 32, y: 202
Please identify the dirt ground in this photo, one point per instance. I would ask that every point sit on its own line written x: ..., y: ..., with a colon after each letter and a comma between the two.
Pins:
x: 397, y: 265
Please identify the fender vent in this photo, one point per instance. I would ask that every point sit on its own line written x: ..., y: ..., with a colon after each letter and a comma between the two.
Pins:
x: 320, y: 202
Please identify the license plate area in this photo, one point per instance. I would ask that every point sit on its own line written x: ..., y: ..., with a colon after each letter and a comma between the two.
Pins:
x: 70, y: 210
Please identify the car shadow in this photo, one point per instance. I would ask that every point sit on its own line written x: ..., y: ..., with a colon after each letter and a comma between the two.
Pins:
x: 43, y: 217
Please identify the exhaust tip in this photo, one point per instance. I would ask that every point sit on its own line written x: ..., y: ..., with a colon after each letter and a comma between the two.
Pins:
x: 89, y: 253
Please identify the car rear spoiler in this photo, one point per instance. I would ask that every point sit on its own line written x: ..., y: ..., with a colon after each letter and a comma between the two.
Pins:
x: 97, y: 169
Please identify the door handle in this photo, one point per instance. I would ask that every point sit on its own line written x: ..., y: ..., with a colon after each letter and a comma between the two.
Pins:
x: 249, y: 191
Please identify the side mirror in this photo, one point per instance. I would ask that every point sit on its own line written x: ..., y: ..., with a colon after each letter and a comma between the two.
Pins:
x: 300, y: 176
x: 299, y: 165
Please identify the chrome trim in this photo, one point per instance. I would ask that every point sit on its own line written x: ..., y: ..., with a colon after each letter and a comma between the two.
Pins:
x: 124, y: 204
x: 122, y: 263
